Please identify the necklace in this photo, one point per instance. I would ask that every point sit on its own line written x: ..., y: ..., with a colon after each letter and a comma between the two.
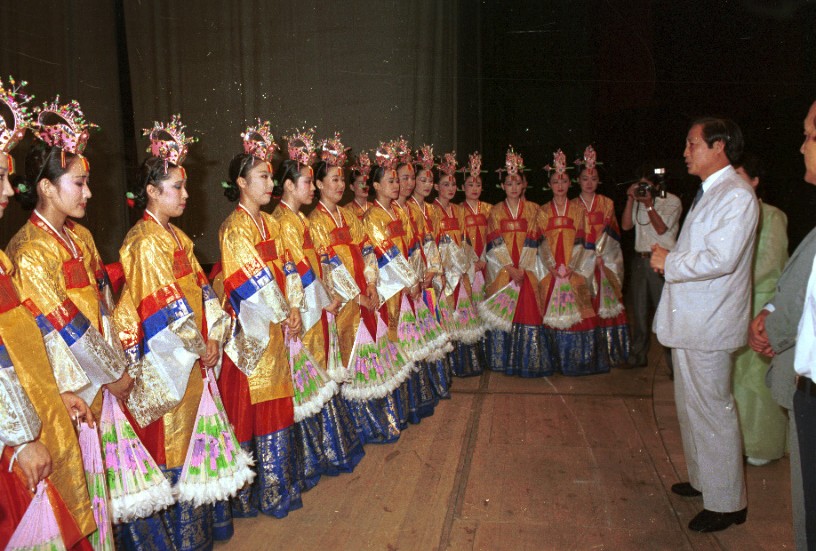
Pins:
x: 261, y: 227
x: 69, y: 243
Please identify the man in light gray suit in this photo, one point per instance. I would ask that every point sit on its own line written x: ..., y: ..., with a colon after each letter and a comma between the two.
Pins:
x: 703, y: 316
x: 773, y: 333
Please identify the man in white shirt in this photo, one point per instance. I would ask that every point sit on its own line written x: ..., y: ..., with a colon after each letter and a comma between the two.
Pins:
x: 703, y: 316
x: 656, y: 220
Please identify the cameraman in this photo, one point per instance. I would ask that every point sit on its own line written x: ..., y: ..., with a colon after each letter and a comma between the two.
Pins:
x: 655, y: 215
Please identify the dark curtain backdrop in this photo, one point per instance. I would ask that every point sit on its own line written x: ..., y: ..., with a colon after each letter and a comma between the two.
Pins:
x: 371, y: 70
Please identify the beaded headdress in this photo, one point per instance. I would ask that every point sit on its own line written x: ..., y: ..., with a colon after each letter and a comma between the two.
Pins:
x: 590, y: 159
x: 333, y: 152
x: 559, y: 164
x: 386, y: 156
x: 513, y: 163
x: 15, y: 117
x: 259, y: 141
x: 403, y: 151
x: 363, y: 165
x: 301, y: 146
x: 474, y: 166
x: 168, y: 141
x: 63, y: 126
x: 425, y: 157
x: 447, y: 165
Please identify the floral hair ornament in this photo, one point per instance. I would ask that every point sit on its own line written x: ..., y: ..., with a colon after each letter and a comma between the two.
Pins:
x: 333, y: 152
x: 403, y: 151
x: 15, y: 117
x: 425, y: 158
x: 590, y: 160
x: 386, y: 156
x: 130, y: 199
x: 168, y: 141
x: 447, y: 165
x: 363, y: 165
x: 474, y: 166
x: 63, y: 126
x: 259, y: 141
x: 301, y: 146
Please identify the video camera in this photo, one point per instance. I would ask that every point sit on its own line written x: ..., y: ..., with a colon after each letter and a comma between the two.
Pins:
x: 645, y: 189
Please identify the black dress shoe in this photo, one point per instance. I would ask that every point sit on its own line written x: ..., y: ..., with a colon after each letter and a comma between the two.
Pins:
x: 685, y: 489
x: 710, y: 521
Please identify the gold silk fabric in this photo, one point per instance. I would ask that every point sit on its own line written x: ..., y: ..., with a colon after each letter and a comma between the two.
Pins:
x: 243, y: 249
x: 514, y: 231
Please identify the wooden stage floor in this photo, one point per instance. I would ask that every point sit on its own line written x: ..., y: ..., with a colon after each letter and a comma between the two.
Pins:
x: 528, y: 464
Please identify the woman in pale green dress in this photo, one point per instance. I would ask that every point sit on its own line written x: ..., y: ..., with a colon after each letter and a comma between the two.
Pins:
x: 763, y: 422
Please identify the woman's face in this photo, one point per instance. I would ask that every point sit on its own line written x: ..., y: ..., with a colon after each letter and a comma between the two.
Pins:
x: 332, y: 185
x: 168, y: 198
x: 446, y: 187
x: 387, y: 188
x: 360, y: 188
x: 407, y: 181
x: 69, y: 194
x: 256, y: 186
x: 473, y: 188
x: 559, y: 184
x: 6, y: 190
x: 589, y: 180
x: 303, y: 190
x: 424, y: 183
x: 513, y: 186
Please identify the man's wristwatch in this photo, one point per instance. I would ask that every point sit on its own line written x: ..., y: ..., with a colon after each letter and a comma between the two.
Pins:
x: 649, y: 209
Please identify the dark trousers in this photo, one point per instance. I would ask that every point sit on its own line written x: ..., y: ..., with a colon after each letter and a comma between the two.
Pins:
x: 645, y: 287
x: 804, y: 408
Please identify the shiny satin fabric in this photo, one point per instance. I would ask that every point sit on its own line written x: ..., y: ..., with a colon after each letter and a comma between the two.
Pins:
x: 21, y: 339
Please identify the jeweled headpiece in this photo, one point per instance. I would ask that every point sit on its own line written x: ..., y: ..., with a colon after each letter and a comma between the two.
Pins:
x: 15, y: 116
x: 559, y: 164
x: 425, y: 157
x: 386, y: 156
x: 363, y: 165
x: 168, y: 141
x: 513, y: 163
x: 301, y: 146
x: 333, y: 152
x: 590, y: 159
x: 259, y: 141
x: 447, y: 165
x: 474, y: 166
x: 403, y: 151
x: 63, y: 126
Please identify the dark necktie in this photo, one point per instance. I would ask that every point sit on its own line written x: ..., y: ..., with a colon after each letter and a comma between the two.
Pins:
x: 697, y: 197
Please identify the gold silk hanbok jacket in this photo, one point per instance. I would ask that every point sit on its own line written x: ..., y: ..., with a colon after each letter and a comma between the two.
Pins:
x: 304, y: 287
x: 252, y: 296
x: 512, y: 239
x: 391, y: 235
x: 426, y: 236
x: 167, y: 313
x: 349, y: 264
x: 30, y: 405
x: 456, y: 254
x: 357, y: 209
x: 67, y: 282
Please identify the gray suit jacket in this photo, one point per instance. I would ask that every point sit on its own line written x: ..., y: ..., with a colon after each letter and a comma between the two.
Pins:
x: 707, y: 297
x: 783, y: 322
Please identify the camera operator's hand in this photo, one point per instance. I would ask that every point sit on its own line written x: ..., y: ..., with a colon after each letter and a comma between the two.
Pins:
x: 631, y: 190
x: 658, y: 259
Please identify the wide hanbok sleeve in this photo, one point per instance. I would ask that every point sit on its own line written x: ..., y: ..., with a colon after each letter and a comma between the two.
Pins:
x: 607, y: 245
x: 358, y: 235
x: 496, y: 252
x: 82, y: 358
x: 336, y: 276
x: 19, y: 422
x: 395, y: 273
x: 253, y: 295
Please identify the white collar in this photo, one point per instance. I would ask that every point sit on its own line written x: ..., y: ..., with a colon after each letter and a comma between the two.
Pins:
x: 708, y: 182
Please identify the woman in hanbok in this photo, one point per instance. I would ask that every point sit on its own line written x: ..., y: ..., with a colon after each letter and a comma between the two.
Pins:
x: 763, y: 422
x: 512, y: 255
x: 389, y: 231
x: 350, y: 267
x: 255, y: 381
x: 431, y: 270
x: 327, y: 432
x: 605, y: 278
x: 461, y: 320
x: 569, y: 319
x: 476, y: 212
x: 37, y: 437
x: 173, y: 328
x: 359, y: 185
x: 421, y: 398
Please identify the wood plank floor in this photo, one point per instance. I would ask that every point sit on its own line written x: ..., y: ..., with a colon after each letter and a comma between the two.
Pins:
x: 528, y: 464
